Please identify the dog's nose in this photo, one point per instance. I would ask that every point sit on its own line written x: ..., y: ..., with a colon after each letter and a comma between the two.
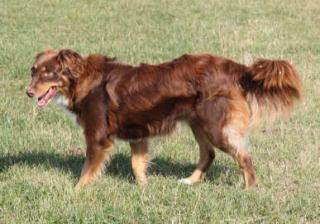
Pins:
x: 30, y: 93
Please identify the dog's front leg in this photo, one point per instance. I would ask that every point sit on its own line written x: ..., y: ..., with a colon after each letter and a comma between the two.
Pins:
x: 139, y: 160
x: 97, y: 153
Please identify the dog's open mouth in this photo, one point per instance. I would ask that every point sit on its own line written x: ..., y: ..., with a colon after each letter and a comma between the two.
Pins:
x: 47, y: 97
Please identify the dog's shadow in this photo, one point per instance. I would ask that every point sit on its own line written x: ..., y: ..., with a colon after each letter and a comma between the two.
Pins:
x: 119, y: 166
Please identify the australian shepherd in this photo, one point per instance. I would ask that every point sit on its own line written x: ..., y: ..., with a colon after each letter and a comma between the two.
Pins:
x: 220, y: 99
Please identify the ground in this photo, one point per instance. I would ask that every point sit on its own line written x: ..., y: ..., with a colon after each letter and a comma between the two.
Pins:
x: 39, y: 157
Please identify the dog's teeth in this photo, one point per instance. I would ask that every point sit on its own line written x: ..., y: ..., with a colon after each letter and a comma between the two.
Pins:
x: 185, y: 181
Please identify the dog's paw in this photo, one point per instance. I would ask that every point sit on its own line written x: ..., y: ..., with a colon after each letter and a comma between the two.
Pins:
x: 185, y: 181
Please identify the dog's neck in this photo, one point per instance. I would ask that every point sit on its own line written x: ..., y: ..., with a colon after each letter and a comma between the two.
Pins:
x: 97, y: 69
x: 84, y: 85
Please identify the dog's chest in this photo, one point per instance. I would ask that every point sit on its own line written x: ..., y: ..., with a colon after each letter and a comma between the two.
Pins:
x: 64, y: 103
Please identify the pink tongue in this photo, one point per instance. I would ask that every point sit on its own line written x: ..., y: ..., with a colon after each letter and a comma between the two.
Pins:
x: 44, y: 100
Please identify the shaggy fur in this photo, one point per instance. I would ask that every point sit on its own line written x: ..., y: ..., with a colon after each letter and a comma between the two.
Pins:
x: 220, y: 99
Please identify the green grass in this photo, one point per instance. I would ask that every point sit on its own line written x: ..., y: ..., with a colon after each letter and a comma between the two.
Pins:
x: 38, y: 173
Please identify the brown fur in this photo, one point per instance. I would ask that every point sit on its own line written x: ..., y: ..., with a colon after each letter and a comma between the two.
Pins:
x: 217, y: 97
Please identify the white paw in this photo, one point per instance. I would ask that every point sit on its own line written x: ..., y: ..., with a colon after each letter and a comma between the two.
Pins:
x: 185, y: 181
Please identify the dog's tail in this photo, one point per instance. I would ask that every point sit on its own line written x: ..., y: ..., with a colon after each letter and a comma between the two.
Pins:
x: 272, y: 87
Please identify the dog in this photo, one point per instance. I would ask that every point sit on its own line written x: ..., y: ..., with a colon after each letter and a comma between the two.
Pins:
x: 220, y: 99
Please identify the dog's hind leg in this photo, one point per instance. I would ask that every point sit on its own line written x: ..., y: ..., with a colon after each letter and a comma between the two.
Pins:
x: 225, y: 123
x: 234, y: 143
x: 207, y: 156
x: 139, y: 160
x: 231, y: 136
x: 236, y: 147
x: 96, y: 155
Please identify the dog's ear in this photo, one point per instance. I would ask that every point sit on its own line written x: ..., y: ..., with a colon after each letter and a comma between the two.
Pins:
x: 72, y: 64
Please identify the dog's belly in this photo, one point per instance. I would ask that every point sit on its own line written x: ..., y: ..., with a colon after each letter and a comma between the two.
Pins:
x: 138, y: 131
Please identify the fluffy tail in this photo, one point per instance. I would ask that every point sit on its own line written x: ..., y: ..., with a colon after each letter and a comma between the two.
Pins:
x: 272, y: 87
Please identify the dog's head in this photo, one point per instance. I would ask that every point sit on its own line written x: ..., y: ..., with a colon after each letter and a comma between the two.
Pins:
x: 53, y: 72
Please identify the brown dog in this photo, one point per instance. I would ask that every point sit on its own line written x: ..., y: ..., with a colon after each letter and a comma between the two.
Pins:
x: 219, y: 98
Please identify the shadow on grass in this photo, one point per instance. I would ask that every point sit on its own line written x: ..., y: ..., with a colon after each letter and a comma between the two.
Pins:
x: 119, y: 166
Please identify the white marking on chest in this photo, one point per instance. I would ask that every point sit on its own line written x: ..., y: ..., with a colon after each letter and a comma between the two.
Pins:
x: 64, y: 103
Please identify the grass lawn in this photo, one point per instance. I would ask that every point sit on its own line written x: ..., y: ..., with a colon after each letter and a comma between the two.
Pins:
x: 38, y: 170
